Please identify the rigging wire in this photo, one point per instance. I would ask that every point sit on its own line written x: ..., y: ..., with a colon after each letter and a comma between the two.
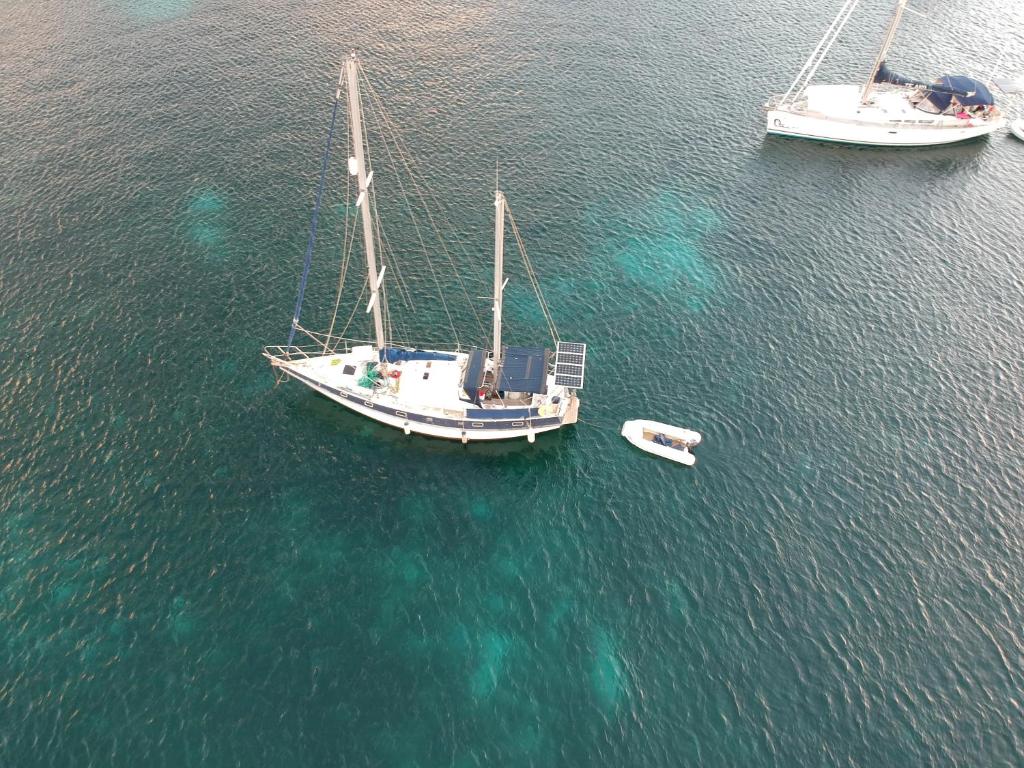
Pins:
x: 315, y: 220
x: 346, y: 257
x: 403, y: 289
x: 388, y: 256
x: 369, y: 200
x: 820, y: 51
x: 532, y: 276
x: 355, y: 308
x: 392, y: 260
x: 387, y: 123
x: 384, y: 121
x: 405, y: 156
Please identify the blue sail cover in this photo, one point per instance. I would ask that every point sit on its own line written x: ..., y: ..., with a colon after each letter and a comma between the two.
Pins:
x: 939, y: 100
x: 524, y: 369
x: 395, y: 355
x: 474, y: 375
x: 968, y: 91
x: 886, y: 75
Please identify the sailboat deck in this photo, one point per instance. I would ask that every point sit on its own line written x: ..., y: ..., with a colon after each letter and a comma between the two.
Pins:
x: 424, y: 386
x: 889, y: 106
x: 421, y: 384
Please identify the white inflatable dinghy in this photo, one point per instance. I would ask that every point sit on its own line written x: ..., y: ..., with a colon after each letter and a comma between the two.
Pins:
x: 664, y: 440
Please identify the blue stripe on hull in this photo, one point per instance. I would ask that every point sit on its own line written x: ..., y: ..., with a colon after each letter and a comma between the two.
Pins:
x: 467, y: 425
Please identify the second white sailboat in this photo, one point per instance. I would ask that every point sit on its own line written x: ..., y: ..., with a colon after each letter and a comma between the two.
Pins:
x: 888, y: 110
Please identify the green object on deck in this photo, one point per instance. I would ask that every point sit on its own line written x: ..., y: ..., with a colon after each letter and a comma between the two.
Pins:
x: 371, y: 377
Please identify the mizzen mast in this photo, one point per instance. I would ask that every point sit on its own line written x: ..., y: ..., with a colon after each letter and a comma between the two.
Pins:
x: 499, y: 270
x: 357, y: 167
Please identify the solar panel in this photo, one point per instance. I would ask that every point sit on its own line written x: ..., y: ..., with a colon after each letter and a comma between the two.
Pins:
x: 570, y: 360
x: 569, y: 370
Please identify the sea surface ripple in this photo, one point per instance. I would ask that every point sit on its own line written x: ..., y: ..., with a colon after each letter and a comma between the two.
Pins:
x: 200, y: 568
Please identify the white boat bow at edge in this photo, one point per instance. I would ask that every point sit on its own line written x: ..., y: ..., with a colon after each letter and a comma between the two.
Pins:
x: 1017, y: 128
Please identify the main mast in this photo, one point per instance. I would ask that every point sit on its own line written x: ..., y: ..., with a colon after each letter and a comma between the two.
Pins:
x: 499, y: 270
x: 890, y: 35
x: 356, y: 122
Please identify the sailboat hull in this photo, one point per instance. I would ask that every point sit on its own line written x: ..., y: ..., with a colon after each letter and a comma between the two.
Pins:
x: 834, y: 113
x: 457, y: 421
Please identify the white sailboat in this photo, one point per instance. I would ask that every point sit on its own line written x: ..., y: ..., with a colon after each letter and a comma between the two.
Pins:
x: 888, y: 110
x: 456, y: 393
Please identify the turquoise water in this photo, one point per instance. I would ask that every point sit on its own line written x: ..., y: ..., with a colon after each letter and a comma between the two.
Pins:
x: 200, y: 568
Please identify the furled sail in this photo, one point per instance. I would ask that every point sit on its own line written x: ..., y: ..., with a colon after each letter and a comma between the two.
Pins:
x: 886, y: 75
